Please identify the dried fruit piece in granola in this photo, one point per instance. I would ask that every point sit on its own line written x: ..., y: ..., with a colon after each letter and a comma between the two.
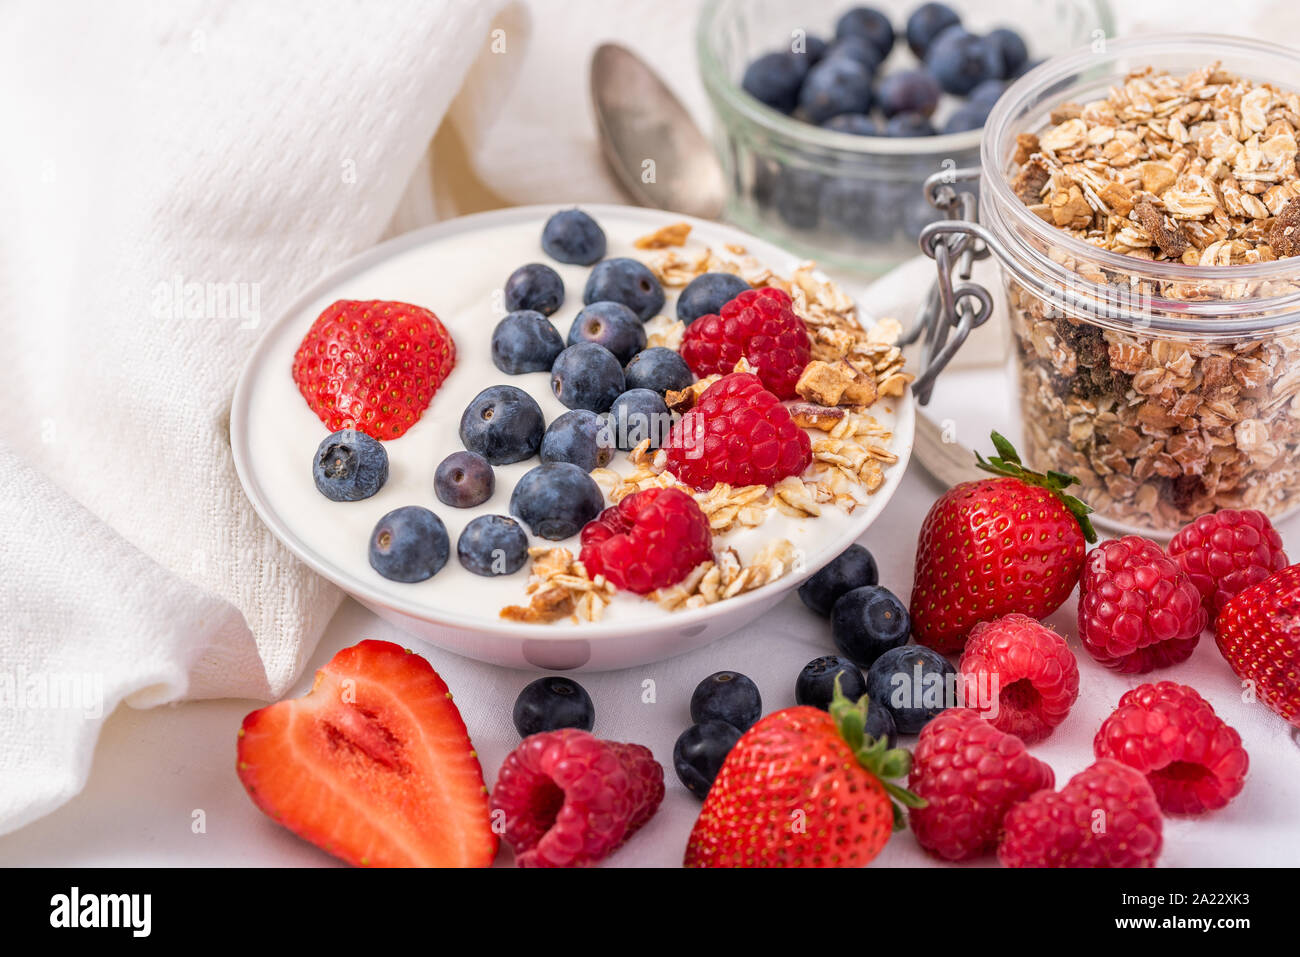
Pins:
x: 1029, y: 182
x: 1284, y: 236
x: 1168, y: 235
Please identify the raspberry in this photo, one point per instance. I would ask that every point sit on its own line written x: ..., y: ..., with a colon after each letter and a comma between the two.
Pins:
x: 570, y: 799
x: 1194, y: 762
x: 1037, y: 678
x: 759, y: 326
x: 373, y: 366
x: 1226, y: 552
x: 650, y: 540
x: 738, y: 433
x: 1105, y: 816
x: 1258, y: 633
x: 1137, y: 610
x: 970, y: 775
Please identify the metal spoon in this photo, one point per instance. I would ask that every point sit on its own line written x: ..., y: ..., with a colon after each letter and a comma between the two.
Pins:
x: 652, y: 146
x: 662, y: 160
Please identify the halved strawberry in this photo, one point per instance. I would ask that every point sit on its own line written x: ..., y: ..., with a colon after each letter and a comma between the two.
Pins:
x: 373, y: 366
x: 374, y: 765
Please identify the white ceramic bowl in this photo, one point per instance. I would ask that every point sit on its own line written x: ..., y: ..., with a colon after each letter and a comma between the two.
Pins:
x: 267, y: 409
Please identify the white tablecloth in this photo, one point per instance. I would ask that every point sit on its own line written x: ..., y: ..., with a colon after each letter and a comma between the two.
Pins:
x: 155, y: 770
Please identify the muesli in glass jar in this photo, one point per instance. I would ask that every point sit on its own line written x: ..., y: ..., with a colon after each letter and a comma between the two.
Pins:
x: 1147, y: 207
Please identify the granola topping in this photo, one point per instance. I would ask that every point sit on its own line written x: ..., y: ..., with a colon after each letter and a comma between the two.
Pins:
x: 853, y: 368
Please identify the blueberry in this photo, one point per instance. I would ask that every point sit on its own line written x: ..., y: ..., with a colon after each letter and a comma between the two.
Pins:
x: 612, y: 325
x: 463, y: 480
x: 571, y: 236
x: 556, y: 499
x: 525, y: 341
x: 815, y: 685
x: 1012, y: 47
x: 627, y: 281
x: 909, y: 124
x: 727, y: 696
x: 587, y: 376
x: 860, y: 207
x: 926, y: 23
x: 409, y: 544
x: 858, y: 50
x: 869, y: 24
x: 969, y: 116
x: 867, y: 622
x: 707, y: 293
x: 961, y: 61
x: 915, y: 683
x: 637, y: 415
x: 836, y: 85
x: 797, y: 196
x: 700, y: 752
x: 816, y: 688
x: 765, y: 173
x: 1024, y: 68
x: 988, y: 92
x: 534, y: 286
x: 775, y: 78
x: 880, y: 723
x: 660, y: 369
x: 492, y: 545
x: 852, y: 568
x: 859, y: 124
x: 581, y: 438
x: 503, y: 424
x: 551, y: 703
x: 908, y: 91
x: 349, y: 466
x: 814, y: 48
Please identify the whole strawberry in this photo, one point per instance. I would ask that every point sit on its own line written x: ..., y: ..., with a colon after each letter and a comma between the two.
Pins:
x: 803, y: 788
x: 759, y: 326
x: 989, y: 548
x: 1226, y: 552
x: 1105, y: 816
x: 373, y: 366
x: 1137, y: 610
x: 969, y: 774
x: 1258, y: 633
x: 1192, y: 759
x: 738, y: 433
x: 651, y: 539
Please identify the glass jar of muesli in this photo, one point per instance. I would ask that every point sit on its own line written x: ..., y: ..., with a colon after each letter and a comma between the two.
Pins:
x: 1142, y: 199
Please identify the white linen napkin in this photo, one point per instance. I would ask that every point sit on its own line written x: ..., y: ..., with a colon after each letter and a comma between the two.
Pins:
x: 174, y: 174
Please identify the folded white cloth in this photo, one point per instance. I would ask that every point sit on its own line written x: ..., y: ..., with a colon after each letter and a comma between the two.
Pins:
x: 172, y: 178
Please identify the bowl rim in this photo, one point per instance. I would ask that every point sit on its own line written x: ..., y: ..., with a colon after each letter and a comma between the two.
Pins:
x: 723, y: 87
x: 851, y: 527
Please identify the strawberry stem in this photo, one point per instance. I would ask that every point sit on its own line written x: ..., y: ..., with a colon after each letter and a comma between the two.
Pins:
x: 1008, y: 465
x: 874, y: 754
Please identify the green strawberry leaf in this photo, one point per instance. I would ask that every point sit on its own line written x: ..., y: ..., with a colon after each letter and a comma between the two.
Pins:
x: 1006, y: 464
x: 874, y: 754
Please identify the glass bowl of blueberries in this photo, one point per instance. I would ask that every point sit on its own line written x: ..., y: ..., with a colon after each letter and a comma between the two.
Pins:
x: 829, y: 117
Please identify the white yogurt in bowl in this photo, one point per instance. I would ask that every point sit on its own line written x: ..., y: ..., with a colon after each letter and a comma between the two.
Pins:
x: 457, y: 269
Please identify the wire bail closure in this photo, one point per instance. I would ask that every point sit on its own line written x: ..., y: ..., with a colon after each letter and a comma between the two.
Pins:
x: 950, y: 311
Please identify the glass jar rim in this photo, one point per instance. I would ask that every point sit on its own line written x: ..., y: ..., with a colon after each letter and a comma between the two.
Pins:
x: 721, y: 85
x: 1087, y: 61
